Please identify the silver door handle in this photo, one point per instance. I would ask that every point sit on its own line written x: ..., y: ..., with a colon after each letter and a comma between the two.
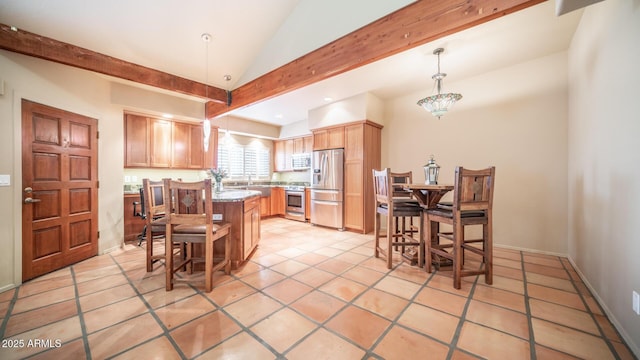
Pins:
x: 31, y: 200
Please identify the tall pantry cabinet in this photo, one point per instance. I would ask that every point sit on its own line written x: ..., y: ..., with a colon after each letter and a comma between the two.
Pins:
x: 362, y: 142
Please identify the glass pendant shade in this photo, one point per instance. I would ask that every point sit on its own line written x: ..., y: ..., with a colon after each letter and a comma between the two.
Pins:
x: 440, y: 103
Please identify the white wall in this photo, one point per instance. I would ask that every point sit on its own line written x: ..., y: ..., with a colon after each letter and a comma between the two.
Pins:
x: 509, y: 119
x: 604, y: 158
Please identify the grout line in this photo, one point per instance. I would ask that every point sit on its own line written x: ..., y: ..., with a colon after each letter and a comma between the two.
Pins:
x: 83, y: 327
x: 7, y: 315
x: 527, y: 307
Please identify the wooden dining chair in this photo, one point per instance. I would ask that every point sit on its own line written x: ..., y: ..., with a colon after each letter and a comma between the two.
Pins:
x: 394, y: 209
x: 152, y: 200
x: 472, y: 205
x: 405, y: 224
x: 189, y: 220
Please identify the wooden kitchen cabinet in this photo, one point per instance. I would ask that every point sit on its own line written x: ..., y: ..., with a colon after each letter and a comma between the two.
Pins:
x: 277, y: 201
x: 133, y: 225
x: 285, y: 149
x: 160, y: 134
x: 136, y: 141
x: 251, y: 226
x: 329, y: 138
x: 158, y: 143
x: 362, y: 154
x: 265, y: 206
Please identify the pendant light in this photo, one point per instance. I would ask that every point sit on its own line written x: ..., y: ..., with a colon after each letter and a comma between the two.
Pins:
x: 439, y: 104
x: 206, y: 123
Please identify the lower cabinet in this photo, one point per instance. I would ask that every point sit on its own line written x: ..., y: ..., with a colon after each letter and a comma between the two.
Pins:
x: 265, y: 206
x: 277, y: 201
x: 133, y: 225
x: 251, y: 226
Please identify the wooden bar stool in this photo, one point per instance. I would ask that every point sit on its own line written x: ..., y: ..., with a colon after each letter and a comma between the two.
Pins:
x: 472, y: 205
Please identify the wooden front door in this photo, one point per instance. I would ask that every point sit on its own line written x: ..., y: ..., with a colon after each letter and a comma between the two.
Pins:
x: 60, y: 189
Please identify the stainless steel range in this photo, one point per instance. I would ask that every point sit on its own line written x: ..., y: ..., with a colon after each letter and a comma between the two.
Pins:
x: 294, y: 202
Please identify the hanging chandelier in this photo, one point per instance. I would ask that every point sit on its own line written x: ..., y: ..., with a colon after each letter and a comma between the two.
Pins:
x: 206, y: 123
x: 439, y: 104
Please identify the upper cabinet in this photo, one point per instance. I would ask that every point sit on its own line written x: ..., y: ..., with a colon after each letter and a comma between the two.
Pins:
x: 285, y: 149
x: 159, y: 143
x: 328, y: 138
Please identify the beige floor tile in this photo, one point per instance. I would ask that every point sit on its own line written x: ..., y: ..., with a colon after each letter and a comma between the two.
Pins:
x: 159, y: 348
x: 399, y: 287
x: 352, y: 257
x: 499, y: 297
x: 162, y: 297
x: 240, y: 346
x: 411, y: 273
x: 344, y: 289
x: 445, y: 283
x: 4, y: 307
x: 461, y: 355
x: 36, y: 287
x: 203, y: 333
x: 311, y: 258
x: 120, y: 337
x: 71, y: 350
x: 508, y: 263
x: 314, y: 277
x: 363, y: 275
x: 508, y: 321
x: 623, y: 351
x: 548, y: 271
x: 382, y: 303
x: 283, y: 328
x: 252, y: 309
x: 63, y: 330
x: 106, y: 316
x: 556, y: 296
x: 96, y: 273
x: 7, y: 295
x: 106, y: 282
x: 607, y: 328
x: 570, y: 341
x: 512, y: 285
x: 360, y: 326
x: 105, y: 297
x: 289, y: 267
x: 441, y: 300
x: 492, y: 344
x: 334, y: 266
x: 593, y: 305
x: 434, y: 323
x: 287, y: 290
x: 148, y: 282
x: 262, y: 279
x: 546, y: 260
x: 508, y: 272
x: 269, y: 260
x: 400, y: 343
x: 230, y: 292
x: 544, y: 353
x: 554, y: 282
x: 506, y: 253
x: 180, y: 312
x: 318, y: 306
x: 247, y: 268
x: 43, y: 299
x: 563, y: 315
x: 29, y: 320
x: 324, y: 345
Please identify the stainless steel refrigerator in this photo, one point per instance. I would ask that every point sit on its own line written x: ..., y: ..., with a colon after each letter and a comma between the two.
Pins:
x: 327, y: 195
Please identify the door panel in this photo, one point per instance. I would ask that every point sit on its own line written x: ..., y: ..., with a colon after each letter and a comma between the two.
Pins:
x: 60, y: 182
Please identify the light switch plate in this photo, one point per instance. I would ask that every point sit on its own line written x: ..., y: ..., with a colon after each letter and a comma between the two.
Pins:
x: 636, y: 303
x: 217, y: 217
x: 5, y: 180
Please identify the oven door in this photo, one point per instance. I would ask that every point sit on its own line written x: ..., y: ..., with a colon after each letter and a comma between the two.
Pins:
x: 294, y: 205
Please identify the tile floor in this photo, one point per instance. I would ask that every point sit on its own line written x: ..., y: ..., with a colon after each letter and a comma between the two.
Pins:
x: 308, y: 293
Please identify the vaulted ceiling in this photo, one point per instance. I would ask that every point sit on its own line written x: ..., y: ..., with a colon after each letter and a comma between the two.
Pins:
x: 261, y: 45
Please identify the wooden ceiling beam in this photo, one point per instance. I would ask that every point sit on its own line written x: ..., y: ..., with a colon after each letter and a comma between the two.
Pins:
x: 31, y: 44
x: 411, y: 26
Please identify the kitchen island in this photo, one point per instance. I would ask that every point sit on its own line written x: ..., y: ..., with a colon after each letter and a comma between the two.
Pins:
x: 240, y: 208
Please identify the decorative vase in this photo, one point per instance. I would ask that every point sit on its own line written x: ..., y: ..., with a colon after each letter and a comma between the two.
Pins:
x: 218, y: 187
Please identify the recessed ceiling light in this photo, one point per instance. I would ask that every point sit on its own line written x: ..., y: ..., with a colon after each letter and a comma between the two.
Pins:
x: 328, y: 99
x: 279, y: 116
x: 167, y: 116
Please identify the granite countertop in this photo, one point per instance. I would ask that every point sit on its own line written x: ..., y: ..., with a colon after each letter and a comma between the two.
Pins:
x: 234, y: 195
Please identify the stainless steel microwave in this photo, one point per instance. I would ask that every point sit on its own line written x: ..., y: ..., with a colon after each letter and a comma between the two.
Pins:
x: 301, y: 161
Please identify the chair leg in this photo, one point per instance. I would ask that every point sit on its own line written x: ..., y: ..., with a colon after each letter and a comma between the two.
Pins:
x: 376, y: 234
x: 426, y: 225
x: 168, y: 260
x: 488, y: 252
x: 457, y: 255
x: 208, y: 263
x: 227, y: 254
x: 149, y: 236
x: 389, y: 241
x: 421, y: 240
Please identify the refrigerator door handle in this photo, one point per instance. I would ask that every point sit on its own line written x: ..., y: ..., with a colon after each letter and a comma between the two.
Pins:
x: 326, y: 202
